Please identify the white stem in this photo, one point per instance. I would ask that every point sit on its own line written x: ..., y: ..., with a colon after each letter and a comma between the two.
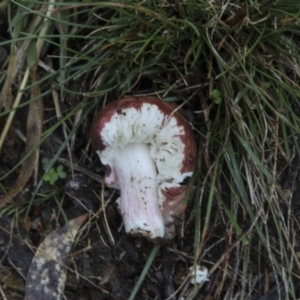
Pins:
x: 139, y: 193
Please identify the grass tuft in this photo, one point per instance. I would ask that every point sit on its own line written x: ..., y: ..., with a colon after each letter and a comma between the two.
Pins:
x: 234, y: 68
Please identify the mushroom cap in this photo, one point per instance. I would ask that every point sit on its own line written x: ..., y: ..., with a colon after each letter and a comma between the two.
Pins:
x: 151, y: 121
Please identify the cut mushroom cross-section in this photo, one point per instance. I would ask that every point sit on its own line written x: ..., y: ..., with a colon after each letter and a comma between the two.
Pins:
x: 148, y: 149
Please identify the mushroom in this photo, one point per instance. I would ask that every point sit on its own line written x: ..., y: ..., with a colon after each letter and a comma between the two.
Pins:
x: 148, y: 150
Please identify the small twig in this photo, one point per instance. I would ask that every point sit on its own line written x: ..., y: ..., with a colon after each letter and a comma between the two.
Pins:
x: 2, y: 293
x: 104, y: 214
x: 15, y: 105
x: 95, y: 177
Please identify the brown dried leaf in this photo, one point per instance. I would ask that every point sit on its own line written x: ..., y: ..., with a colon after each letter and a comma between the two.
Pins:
x: 16, y: 61
x: 47, y: 273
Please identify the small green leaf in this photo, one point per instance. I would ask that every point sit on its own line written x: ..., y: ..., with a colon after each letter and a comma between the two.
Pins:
x: 55, y: 177
x: 52, y: 172
x: 46, y: 177
x: 218, y: 100
x: 62, y: 175
x: 60, y: 168
x: 216, y: 93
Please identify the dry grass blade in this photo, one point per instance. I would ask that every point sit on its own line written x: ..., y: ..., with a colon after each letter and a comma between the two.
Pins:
x: 16, y: 63
x: 34, y: 130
